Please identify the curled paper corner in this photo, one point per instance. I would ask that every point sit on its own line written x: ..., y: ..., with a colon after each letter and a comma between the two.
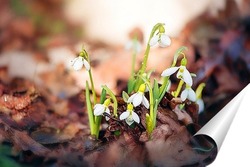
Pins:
x: 211, y: 136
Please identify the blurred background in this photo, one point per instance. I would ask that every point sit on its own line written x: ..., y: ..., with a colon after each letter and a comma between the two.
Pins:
x: 39, y: 38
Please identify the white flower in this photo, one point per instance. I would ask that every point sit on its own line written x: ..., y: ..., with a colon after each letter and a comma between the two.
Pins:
x: 99, y: 109
x: 134, y: 45
x: 188, y: 93
x: 201, y: 105
x: 139, y: 97
x: 78, y: 63
x: 130, y: 116
x: 160, y: 38
x: 183, y: 74
x: 199, y: 100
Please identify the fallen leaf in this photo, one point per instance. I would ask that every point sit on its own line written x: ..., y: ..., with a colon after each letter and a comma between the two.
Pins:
x: 49, y: 135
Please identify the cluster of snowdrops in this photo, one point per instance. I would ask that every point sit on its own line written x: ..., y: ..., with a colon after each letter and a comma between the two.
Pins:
x: 138, y: 84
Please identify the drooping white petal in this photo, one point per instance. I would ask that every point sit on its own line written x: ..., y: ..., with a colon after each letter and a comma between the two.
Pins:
x: 191, y: 95
x: 201, y: 105
x: 124, y: 115
x: 129, y: 45
x: 135, y: 117
x: 98, y: 106
x: 154, y: 40
x: 137, y: 99
x: 77, y: 64
x: 129, y: 120
x: 108, y: 112
x: 137, y: 47
x: 99, y: 109
x: 145, y: 102
x: 164, y: 40
x: 169, y: 71
x: 131, y: 98
x: 86, y: 64
x: 184, y: 95
x: 187, y: 77
x: 72, y: 62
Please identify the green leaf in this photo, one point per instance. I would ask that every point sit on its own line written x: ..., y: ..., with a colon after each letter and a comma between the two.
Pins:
x: 149, y: 124
x: 90, y: 110
x: 137, y: 83
x: 103, y: 96
x: 131, y: 85
x: 156, y: 90
x: 177, y: 54
x: 5, y: 157
x: 164, y: 88
x: 8, y: 162
x: 112, y: 95
x: 149, y: 73
x: 125, y: 96
x: 117, y: 133
x: 155, y: 113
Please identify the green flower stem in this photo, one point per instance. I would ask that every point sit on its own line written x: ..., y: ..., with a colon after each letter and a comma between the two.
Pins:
x: 86, y: 55
x: 93, y: 130
x: 178, y: 90
x: 151, y: 121
x: 146, y: 54
x: 178, y: 53
x: 113, y: 98
x: 145, y: 60
x: 92, y: 86
x: 199, y: 90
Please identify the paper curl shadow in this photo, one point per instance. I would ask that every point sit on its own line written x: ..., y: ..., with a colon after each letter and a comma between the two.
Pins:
x: 203, y: 144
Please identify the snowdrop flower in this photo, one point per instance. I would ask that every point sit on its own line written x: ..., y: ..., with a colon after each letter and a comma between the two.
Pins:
x: 189, y: 94
x: 199, y: 100
x: 99, y: 109
x: 134, y: 45
x: 78, y: 63
x: 201, y: 105
x: 130, y: 116
x: 160, y: 38
x: 139, y: 97
x: 183, y: 73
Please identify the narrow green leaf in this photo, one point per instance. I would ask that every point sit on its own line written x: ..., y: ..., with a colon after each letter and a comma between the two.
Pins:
x: 137, y: 83
x: 112, y: 95
x: 155, y: 113
x: 131, y: 85
x: 163, y: 88
x: 156, y: 90
x: 125, y: 96
x: 8, y: 162
x: 103, y: 96
x: 149, y: 124
x: 149, y: 73
x: 90, y: 110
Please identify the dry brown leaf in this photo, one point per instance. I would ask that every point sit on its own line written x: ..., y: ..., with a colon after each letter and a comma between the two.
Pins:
x: 48, y: 135
x: 21, y: 139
